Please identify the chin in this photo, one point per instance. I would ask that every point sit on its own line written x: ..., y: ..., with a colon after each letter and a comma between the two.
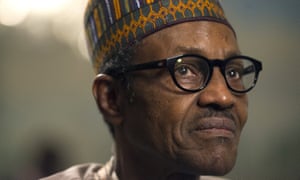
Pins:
x: 222, y: 159
x: 217, y: 161
x: 218, y: 169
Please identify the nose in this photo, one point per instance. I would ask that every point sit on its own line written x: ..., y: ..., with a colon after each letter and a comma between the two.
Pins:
x: 216, y: 94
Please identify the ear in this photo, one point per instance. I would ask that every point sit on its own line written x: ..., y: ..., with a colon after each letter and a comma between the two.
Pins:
x: 106, y: 94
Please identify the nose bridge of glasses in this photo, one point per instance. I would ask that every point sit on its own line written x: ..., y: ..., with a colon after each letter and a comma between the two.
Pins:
x: 217, y: 84
x: 217, y: 63
x: 220, y: 65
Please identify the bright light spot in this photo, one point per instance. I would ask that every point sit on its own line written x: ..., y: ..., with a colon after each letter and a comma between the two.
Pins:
x: 47, y: 6
x: 63, y: 18
x: 13, y: 12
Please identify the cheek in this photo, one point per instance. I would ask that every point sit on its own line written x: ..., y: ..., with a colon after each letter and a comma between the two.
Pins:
x: 152, y: 120
x: 242, y: 110
x: 156, y: 119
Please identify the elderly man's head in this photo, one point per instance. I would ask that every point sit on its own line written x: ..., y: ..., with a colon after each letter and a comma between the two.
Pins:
x: 171, y: 83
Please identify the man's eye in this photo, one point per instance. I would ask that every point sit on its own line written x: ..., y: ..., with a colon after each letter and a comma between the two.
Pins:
x: 182, y: 70
x: 185, y: 70
x: 234, y: 73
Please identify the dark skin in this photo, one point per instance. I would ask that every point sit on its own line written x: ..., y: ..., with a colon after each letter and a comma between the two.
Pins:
x: 159, y: 134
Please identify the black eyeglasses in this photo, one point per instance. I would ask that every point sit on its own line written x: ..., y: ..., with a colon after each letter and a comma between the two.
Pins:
x: 192, y: 73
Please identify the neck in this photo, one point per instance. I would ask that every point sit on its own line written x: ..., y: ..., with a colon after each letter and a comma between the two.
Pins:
x: 136, y: 164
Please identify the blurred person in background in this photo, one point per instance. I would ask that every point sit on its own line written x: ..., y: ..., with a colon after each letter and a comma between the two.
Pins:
x: 172, y: 86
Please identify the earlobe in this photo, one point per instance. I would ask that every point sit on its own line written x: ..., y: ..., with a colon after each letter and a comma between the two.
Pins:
x: 107, y: 97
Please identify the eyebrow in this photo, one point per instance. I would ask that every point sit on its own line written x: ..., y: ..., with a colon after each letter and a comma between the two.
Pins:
x: 199, y: 51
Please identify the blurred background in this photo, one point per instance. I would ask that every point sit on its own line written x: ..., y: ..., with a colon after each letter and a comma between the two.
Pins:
x: 49, y: 120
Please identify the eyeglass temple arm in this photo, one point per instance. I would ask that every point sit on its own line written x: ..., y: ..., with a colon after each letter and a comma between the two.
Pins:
x: 149, y: 65
x: 249, y: 69
x: 252, y: 68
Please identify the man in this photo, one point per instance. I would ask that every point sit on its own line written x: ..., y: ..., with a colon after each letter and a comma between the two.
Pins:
x: 171, y: 86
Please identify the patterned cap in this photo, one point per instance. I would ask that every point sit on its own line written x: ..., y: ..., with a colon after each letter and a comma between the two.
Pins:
x: 115, y: 24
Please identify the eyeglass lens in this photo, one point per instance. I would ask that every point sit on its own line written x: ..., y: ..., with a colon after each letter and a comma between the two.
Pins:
x: 191, y: 72
x: 240, y: 74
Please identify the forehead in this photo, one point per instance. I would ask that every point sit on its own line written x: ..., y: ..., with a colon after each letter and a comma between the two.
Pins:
x: 210, y: 39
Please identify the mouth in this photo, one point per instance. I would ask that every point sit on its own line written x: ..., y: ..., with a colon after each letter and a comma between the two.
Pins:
x: 215, y: 126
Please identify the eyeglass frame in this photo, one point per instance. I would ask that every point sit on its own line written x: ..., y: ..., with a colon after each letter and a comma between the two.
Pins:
x: 169, y: 63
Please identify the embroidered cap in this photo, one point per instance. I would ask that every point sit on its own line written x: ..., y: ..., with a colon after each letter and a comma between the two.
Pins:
x: 115, y: 24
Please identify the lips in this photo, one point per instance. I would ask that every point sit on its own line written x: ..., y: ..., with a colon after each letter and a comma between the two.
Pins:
x: 215, y: 123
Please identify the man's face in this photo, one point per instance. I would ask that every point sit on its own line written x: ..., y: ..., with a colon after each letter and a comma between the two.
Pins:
x: 195, y: 132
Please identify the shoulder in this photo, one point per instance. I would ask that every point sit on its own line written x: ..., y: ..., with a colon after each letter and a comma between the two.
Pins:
x: 82, y: 171
x: 212, y: 178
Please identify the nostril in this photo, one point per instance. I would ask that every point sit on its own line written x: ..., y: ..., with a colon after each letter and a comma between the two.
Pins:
x: 217, y: 106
